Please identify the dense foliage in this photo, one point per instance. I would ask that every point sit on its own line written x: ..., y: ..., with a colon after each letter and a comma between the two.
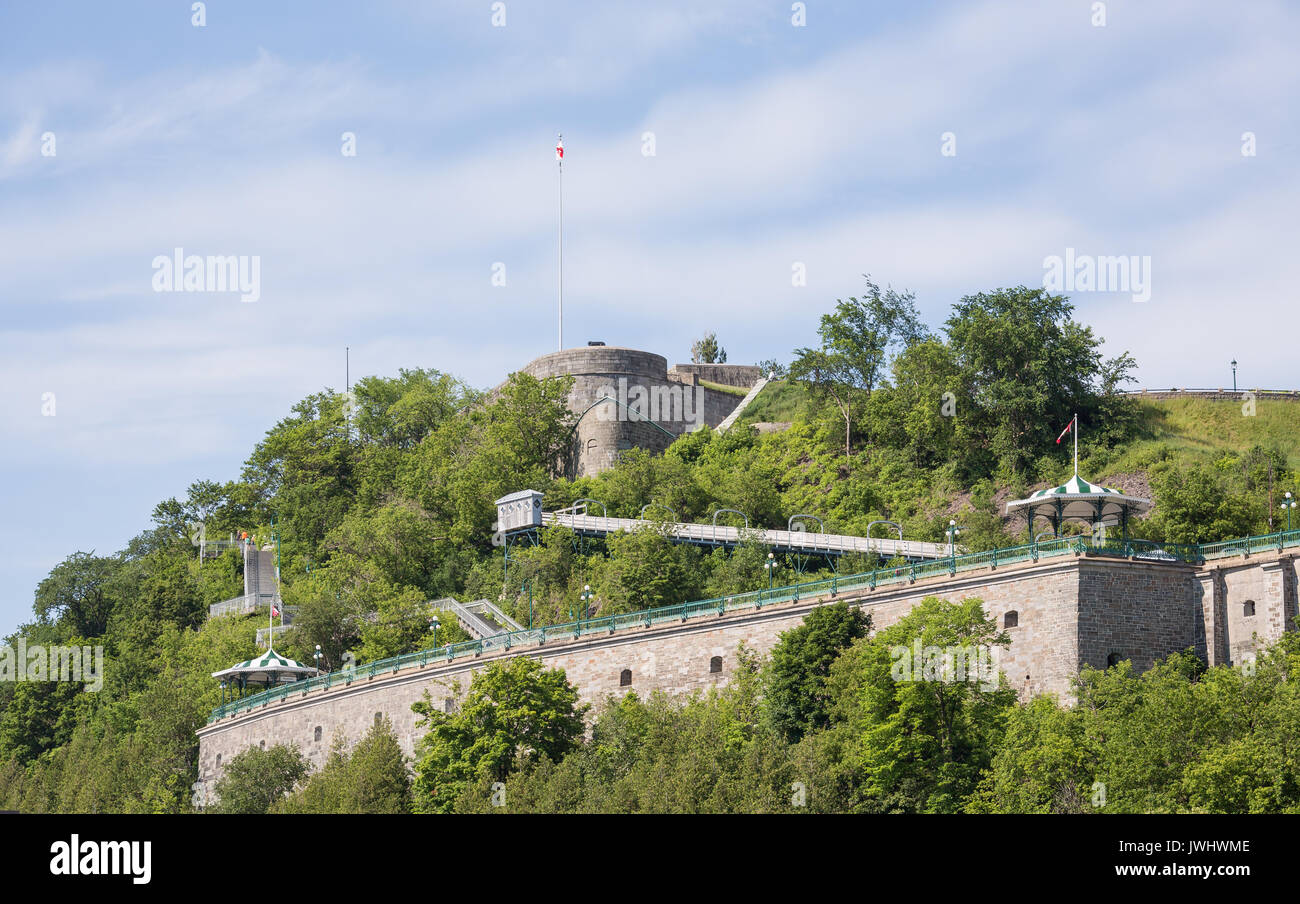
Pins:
x: 380, y: 502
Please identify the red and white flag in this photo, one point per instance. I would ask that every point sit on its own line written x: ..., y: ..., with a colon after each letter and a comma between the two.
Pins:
x: 559, y: 149
x: 1065, y: 431
x: 275, y: 613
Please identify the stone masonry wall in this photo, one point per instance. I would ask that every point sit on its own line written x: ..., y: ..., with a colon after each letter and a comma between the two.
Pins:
x: 673, y: 658
x: 1070, y: 612
x: 1140, y: 611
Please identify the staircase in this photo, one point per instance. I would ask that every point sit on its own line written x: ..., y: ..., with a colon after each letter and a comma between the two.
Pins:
x: 744, y: 403
x: 259, y: 584
x: 481, y: 618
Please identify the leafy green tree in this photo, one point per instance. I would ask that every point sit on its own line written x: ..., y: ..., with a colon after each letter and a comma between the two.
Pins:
x: 255, y: 779
x: 307, y: 462
x: 927, y: 410
x: 924, y: 736
x: 855, y: 343
x: 1197, y: 504
x: 39, y: 716
x: 515, y: 713
x: 645, y: 570
x: 326, y: 618
x: 710, y: 753
x: 78, y: 592
x: 706, y: 350
x: 372, y: 778
x: 401, y: 412
x: 1028, y: 368
x: 1045, y: 764
x: 798, y: 697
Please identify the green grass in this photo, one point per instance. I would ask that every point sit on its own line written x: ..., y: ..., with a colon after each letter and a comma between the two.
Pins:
x: 1202, y: 428
x: 779, y: 401
x: 739, y: 391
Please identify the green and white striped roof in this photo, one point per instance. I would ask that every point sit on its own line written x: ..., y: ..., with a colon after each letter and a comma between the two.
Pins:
x: 265, y: 669
x: 1078, y: 498
x: 1075, y: 486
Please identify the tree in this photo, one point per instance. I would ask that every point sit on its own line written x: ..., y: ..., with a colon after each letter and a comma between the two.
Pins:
x: 77, y: 592
x: 401, y: 412
x: 307, y: 462
x: 645, y: 570
x: 372, y: 778
x: 927, y: 408
x: 1197, y: 504
x: 257, y: 778
x: 1029, y: 368
x: 797, y: 695
x: 924, y: 732
x: 855, y: 340
x: 515, y: 713
x: 706, y: 350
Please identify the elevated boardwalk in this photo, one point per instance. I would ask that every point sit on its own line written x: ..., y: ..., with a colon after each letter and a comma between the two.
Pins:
x: 795, y: 541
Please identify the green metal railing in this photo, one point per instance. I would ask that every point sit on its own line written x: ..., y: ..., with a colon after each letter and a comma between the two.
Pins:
x: 1140, y: 550
x: 1247, y: 545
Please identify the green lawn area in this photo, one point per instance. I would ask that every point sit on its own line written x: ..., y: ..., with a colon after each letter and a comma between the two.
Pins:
x: 779, y: 401
x: 1209, y: 428
x: 729, y: 390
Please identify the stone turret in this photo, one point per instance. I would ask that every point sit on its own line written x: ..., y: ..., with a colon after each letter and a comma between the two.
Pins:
x: 626, y: 398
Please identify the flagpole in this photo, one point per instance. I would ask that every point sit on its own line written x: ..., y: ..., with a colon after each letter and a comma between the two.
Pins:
x: 1076, y: 444
x: 560, y: 161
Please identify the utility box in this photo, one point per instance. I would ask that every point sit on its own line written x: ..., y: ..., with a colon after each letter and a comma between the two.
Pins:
x: 519, y: 510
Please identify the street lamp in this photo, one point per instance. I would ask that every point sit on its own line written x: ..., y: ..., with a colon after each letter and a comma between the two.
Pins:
x: 317, y: 657
x: 953, y: 531
x: 1234, y: 374
x: 434, y: 623
x: 770, y: 565
x: 586, y: 603
x: 1288, y: 503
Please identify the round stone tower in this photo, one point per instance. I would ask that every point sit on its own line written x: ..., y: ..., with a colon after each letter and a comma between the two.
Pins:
x: 625, y: 398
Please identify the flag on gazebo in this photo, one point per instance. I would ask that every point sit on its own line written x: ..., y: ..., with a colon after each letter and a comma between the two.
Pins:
x: 1066, y: 430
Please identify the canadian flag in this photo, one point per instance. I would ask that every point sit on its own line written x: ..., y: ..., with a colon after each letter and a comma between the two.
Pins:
x: 275, y: 613
x: 559, y: 149
x: 1065, y: 431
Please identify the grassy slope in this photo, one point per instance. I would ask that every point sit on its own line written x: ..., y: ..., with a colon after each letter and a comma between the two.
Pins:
x: 1203, y: 428
x: 722, y: 387
x: 778, y: 402
x: 1192, y: 429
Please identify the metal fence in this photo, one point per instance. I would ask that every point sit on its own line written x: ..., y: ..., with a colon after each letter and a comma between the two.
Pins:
x: 1137, y: 550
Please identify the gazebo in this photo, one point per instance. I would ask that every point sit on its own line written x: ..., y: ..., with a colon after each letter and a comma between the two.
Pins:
x: 265, y: 671
x: 1080, y: 500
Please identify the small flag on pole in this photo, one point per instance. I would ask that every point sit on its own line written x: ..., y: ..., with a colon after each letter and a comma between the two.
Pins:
x: 275, y: 613
x: 559, y: 149
x: 1065, y: 431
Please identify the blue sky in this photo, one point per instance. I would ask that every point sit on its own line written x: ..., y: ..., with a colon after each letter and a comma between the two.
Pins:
x: 774, y: 144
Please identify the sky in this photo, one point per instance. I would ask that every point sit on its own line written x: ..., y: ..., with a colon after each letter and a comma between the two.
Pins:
x: 713, y: 152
